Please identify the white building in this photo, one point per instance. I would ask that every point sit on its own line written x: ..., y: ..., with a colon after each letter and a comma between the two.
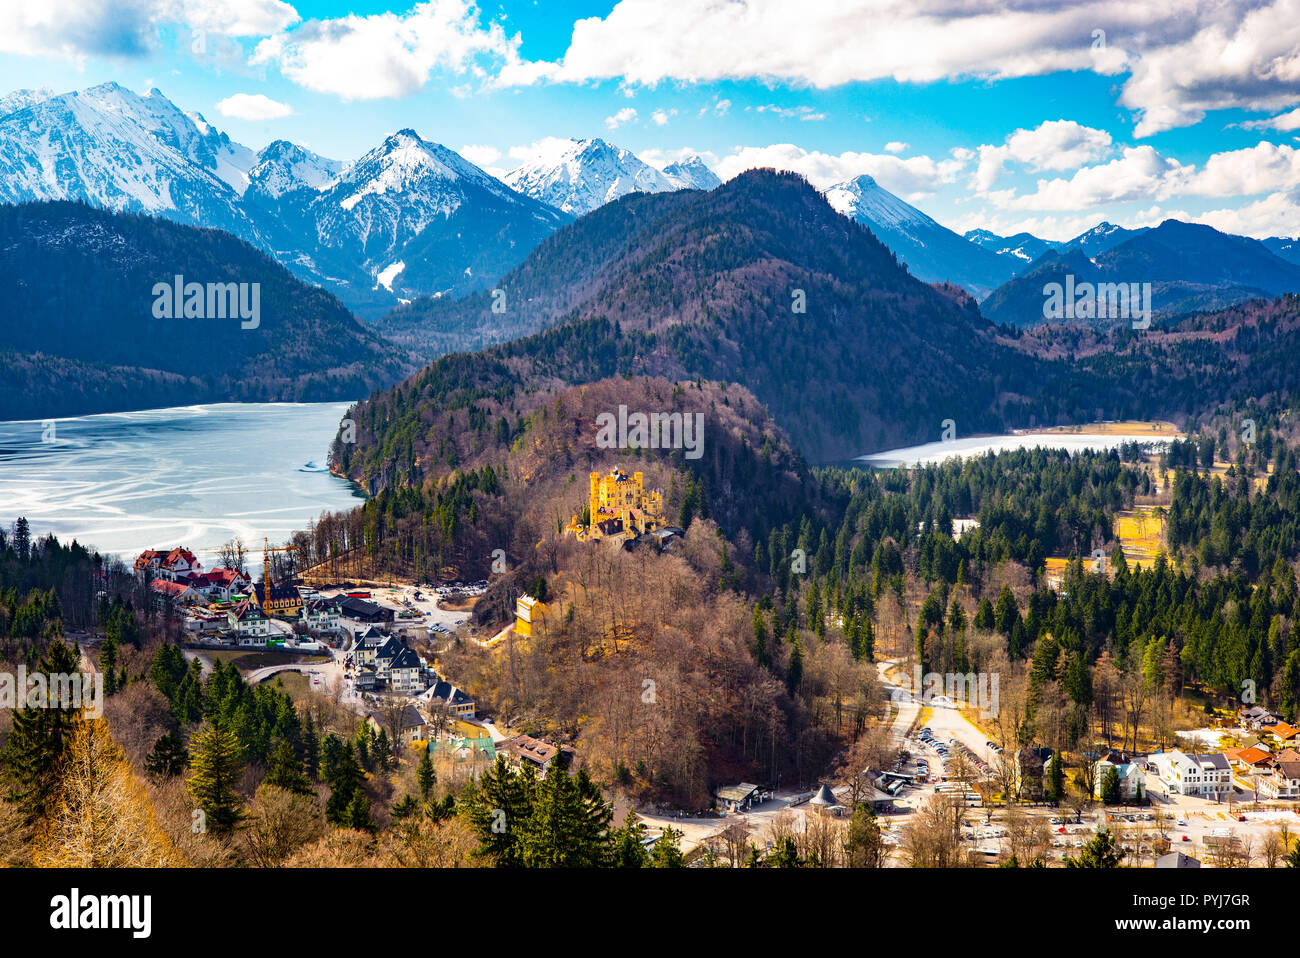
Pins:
x: 1130, y: 778
x: 1283, y: 783
x: 1208, y: 776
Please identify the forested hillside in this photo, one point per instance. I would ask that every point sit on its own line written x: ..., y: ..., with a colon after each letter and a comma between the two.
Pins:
x: 78, y: 293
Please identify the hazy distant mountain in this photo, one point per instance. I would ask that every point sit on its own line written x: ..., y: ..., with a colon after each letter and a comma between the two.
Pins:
x: 1191, y: 268
x: 1287, y: 249
x: 1102, y: 237
x: 581, y: 175
x: 1025, y: 247
x: 932, y: 252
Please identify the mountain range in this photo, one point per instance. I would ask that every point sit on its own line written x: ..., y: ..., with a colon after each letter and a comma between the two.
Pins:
x: 409, y: 217
x: 1191, y: 268
x: 582, y: 175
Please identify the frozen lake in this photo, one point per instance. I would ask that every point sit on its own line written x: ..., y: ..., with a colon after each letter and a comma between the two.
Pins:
x: 191, y: 475
x: 935, y: 452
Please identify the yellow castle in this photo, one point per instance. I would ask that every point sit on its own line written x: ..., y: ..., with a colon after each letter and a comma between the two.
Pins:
x: 619, y: 505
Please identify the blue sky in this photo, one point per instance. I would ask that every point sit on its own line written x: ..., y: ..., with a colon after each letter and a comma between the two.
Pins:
x: 1035, y: 115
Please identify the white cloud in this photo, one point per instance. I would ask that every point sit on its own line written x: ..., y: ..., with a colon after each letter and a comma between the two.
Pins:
x: 1142, y: 174
x: 789, y: 112
x: 392, y: 55
x: 621, y: 118
x: 480, y: 156
x: 253, y: 106
x: 914, y: 177
x: 1183, y: 57
x: 1052, y: 145
x: 894, y: 146
x: 1284, y: 123
x: 77, y: 29
x: 1138, y: 173
x: 1277, y: 214
x: 661, y: 117
x: 1265, y: 167
x: 548, y: 148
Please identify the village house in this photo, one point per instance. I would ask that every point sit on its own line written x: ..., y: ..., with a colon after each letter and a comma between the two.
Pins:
x: 177, y: 593
x: 321, y: 615
x: 178, y: 565
x: 528, y: 612
x: 365, y: 647
x: 360, y: 610
x: 739, y: 798
x: 1285, y: 780
x: 1177, y: 860
x: 247, y: 620
x: 539, y: 755
x: 221, y: 585
x: 1027, y: 772
x: 478, y: 751
x: 1284, y: 732
x: 282, y: 601
x: 1252, y: 758
x: 411, y: 725
x: 1128, y: 771
x: 459, y: 705
x: 404, y: 671
x: 1255, y: 717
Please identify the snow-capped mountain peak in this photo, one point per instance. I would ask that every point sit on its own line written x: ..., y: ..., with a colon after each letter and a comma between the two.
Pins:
x: 403, y: 163
x: 283, y: 167
x: 692, y: 173
x: 17, y: 100
x: 862, y: 198
x: 117, y: 149
x: 581, y: 175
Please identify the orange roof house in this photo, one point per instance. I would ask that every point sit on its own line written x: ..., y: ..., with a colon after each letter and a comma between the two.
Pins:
x: 1282, y: 730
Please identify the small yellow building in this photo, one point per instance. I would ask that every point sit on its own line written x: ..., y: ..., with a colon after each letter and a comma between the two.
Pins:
x: 528, y: 612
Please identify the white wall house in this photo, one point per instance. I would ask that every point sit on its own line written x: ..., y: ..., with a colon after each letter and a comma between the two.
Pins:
x: 1284, y: 783
x: 1208, y: 776
x: 1130, y: 777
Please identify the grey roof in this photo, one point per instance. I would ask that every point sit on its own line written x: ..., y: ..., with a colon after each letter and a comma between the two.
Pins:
x: 411, y: 717
x: 1177, y: 860
x: 737, y: 793
x: 449, y: 693
x: 825, y: 796
x: 405, y: 659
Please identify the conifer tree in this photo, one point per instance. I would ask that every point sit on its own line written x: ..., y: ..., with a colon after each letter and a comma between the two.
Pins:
x: 425, y: 776
x: 629, y: 843
x: 216, y: 765
x: 286, y: 770
x: 38, y: 739
x: 667, y: 852
x: 168, y: 757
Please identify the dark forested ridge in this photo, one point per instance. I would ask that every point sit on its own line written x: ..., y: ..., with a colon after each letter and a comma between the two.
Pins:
x: 758, y: 282
x: 77, y: 294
